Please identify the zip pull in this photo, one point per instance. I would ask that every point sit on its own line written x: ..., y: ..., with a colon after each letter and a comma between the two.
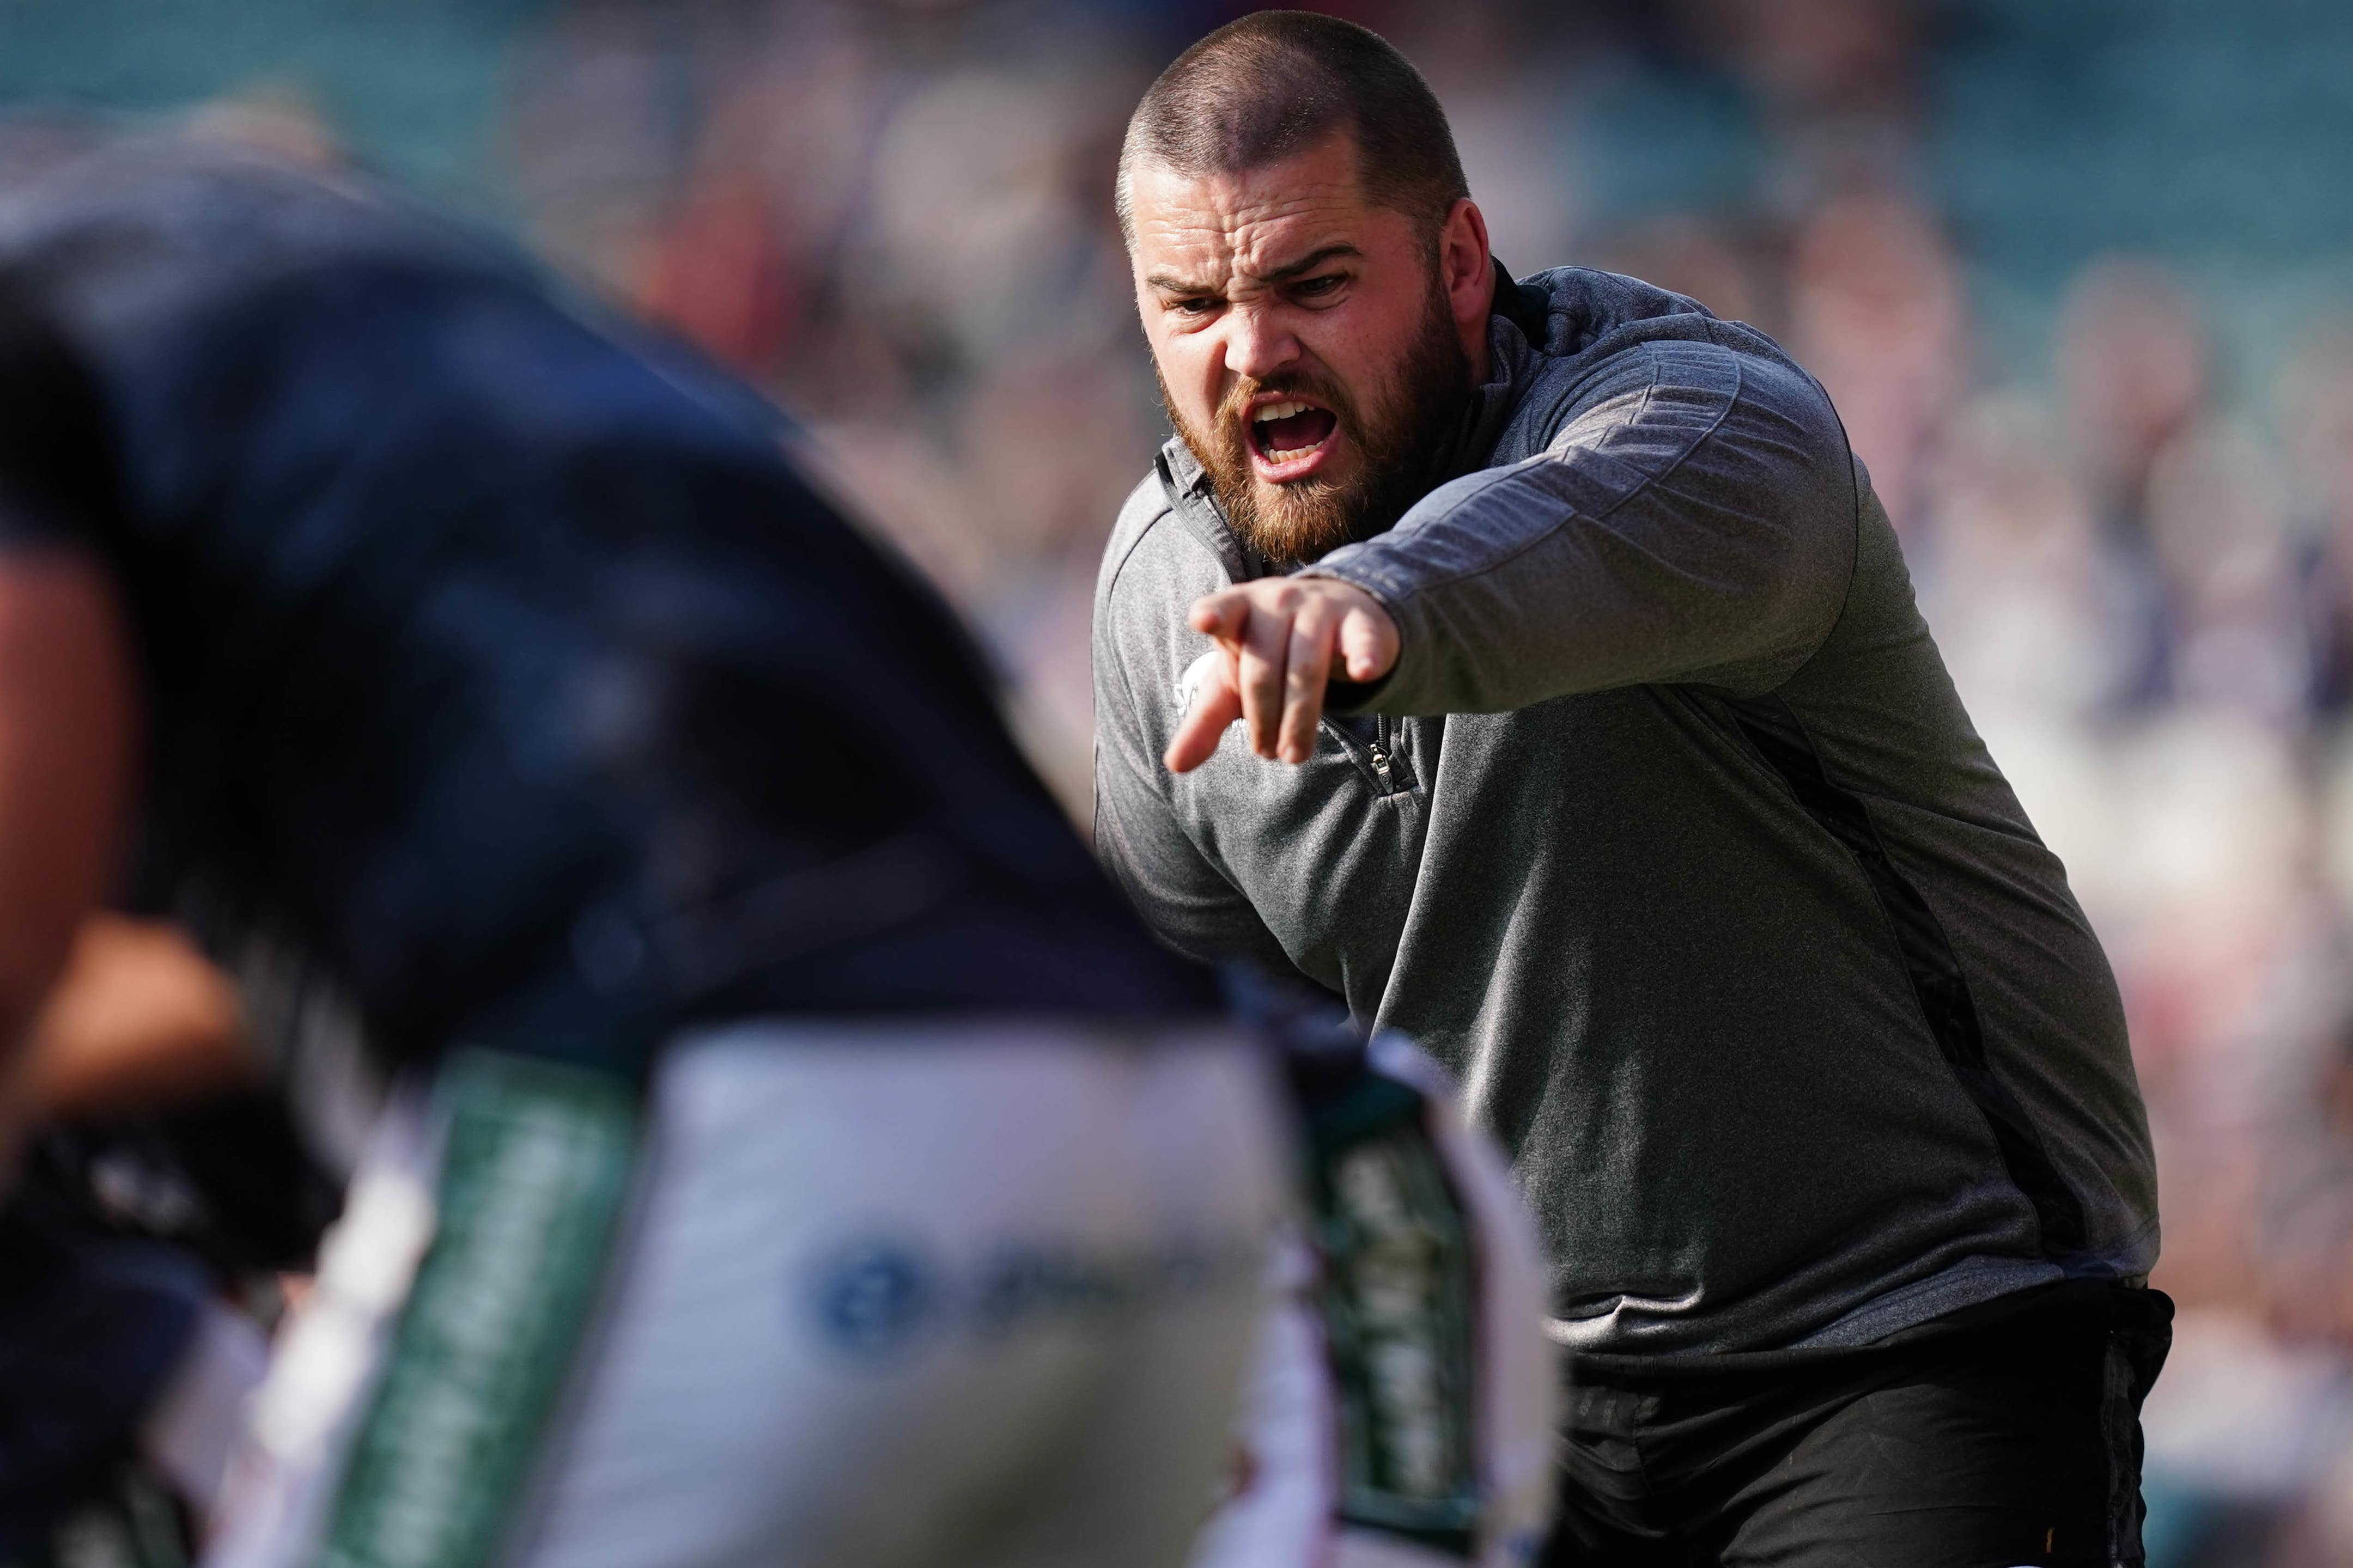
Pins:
x: 1379, y: 750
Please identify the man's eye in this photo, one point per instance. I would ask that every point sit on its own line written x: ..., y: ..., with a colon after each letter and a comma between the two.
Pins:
x: 1313, y: 287
x: 1198, y: 305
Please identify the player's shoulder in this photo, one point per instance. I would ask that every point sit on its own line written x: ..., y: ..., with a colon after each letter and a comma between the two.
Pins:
x: 131, y: 239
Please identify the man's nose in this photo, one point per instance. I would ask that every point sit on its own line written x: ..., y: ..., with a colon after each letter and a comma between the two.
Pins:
x: 1259, y: 343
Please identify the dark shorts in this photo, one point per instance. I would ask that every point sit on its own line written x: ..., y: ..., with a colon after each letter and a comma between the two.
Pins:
x: 2007, y: 1434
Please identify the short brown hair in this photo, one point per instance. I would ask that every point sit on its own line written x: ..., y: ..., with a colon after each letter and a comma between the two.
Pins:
x: 1275, y: 83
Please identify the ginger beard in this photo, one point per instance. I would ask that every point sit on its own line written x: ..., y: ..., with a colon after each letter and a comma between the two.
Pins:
x: 1400, y: 439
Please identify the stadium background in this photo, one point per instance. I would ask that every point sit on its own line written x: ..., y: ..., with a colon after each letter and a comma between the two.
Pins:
x: 2078, y: 272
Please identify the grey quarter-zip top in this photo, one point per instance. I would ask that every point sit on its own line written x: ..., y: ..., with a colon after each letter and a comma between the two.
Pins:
x: 1669, y: 834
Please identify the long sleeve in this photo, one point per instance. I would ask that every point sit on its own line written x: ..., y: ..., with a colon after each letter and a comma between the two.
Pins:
x: 1693, y: 519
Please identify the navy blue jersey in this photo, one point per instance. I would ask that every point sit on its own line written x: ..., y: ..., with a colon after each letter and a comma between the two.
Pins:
x: 501, y: 667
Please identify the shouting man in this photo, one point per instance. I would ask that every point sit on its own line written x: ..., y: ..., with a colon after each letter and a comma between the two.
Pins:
x: 1590, y: 734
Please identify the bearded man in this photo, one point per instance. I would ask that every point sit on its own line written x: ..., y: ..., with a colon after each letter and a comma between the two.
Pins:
x: 1591, y: 735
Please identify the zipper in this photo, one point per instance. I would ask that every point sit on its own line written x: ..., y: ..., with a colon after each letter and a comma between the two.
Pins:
x: 1375, y: 755
x: 1381, y: 752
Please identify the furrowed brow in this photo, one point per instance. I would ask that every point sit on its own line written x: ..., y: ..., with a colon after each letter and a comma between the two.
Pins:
x: 1168, y: 284
x: 1309, y: 263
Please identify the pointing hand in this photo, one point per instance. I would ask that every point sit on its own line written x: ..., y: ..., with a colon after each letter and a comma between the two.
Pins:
x: 1278, y: 636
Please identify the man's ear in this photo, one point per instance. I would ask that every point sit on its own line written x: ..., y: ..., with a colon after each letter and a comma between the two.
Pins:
x: 1466, y: 270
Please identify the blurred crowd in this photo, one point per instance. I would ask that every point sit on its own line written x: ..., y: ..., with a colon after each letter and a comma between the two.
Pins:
x: 2136, y: 555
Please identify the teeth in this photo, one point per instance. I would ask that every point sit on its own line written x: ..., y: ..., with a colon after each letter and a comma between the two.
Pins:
x: 1278, y: 411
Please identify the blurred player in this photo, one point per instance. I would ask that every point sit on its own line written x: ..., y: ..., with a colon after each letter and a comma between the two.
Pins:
x: 795, y: 1151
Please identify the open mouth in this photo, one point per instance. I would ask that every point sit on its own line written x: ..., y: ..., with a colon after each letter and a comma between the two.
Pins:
x: 1289, y: 436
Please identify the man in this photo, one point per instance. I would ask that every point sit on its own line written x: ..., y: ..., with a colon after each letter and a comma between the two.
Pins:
x: 794, y: 1153
x: 1588, y: 734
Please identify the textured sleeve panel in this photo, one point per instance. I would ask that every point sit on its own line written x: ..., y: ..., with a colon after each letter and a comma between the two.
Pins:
x: 1691, y: 519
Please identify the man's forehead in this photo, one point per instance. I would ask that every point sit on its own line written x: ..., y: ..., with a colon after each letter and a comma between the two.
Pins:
x: 1252, y: 221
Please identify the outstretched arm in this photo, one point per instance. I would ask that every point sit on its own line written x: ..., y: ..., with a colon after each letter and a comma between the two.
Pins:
x: 1695, y: 522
